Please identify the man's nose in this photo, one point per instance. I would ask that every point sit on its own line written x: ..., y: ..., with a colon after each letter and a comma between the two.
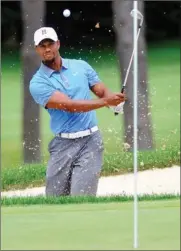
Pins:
x: 47, y: 49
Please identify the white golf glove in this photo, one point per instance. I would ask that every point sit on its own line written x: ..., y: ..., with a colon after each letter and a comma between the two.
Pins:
x: 118, y: 108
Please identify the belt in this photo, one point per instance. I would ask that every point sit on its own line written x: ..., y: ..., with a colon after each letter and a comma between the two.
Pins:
x: 79, y: 134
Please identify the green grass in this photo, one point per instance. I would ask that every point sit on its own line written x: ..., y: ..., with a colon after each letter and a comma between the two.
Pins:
x: 40, y: 200
x: 164, y: 85
x: 91, y: 226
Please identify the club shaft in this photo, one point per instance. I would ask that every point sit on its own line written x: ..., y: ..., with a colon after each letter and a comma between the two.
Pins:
x: 135, y: 120
x: 131, y: 59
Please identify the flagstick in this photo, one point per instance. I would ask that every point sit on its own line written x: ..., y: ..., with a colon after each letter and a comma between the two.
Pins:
x: 135, y: 87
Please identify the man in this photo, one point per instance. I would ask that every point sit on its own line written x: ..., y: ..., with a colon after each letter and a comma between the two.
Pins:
x: 63, y: 87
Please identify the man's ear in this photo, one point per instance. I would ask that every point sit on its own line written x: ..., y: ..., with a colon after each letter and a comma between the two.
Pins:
x: 36, y: 48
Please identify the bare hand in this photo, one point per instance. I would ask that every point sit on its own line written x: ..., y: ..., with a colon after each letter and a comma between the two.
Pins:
x: 115, y: 99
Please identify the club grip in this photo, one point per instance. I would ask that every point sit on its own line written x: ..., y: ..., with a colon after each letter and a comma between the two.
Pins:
x: 122, y: 90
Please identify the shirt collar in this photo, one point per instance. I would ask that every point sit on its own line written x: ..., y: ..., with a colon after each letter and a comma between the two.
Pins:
x: 64, y: 63
x: 49, y: 71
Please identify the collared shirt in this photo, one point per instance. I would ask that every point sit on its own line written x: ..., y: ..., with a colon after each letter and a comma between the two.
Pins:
x: 75, y: 79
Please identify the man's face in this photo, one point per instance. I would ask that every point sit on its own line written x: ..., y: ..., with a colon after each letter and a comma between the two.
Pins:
x: 48, y: 50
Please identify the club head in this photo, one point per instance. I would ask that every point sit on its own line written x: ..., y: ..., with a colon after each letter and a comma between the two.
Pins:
x: 139, y: 15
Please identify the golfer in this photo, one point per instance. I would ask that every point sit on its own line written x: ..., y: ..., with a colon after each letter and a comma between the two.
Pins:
x: 63, y: 87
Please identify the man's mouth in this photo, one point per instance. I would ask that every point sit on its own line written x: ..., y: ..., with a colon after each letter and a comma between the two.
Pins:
x: 48, y: 54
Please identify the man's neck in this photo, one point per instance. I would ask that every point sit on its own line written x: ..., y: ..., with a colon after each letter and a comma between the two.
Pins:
x: 55, y: 65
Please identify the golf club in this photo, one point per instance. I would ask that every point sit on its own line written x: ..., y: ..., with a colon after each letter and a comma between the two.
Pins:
x: 140, y: 17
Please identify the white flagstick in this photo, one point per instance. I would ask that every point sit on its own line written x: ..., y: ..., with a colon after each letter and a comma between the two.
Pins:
x: 135, y: 87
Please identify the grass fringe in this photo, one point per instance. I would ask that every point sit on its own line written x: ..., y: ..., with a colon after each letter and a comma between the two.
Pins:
x: 42, y: 200
x: 34, y: 175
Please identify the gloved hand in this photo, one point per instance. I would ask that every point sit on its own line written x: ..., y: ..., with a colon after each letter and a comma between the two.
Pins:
x: 118, y: 109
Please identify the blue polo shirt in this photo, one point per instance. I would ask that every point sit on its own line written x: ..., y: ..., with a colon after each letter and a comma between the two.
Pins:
x: 74, y: 79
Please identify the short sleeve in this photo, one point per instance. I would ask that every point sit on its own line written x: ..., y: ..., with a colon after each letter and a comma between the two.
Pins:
x: 41, y: 92
x: 92, y: 75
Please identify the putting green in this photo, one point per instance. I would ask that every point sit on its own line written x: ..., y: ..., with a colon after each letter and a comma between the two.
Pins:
x: 91, y: 226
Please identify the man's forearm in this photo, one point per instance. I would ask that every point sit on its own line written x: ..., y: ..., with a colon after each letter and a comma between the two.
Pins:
x: 101, y: 91
x: 81, y: 105
x: 107, y: 93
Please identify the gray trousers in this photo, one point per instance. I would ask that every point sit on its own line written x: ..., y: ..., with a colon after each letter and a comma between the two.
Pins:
x: 74, y: 166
